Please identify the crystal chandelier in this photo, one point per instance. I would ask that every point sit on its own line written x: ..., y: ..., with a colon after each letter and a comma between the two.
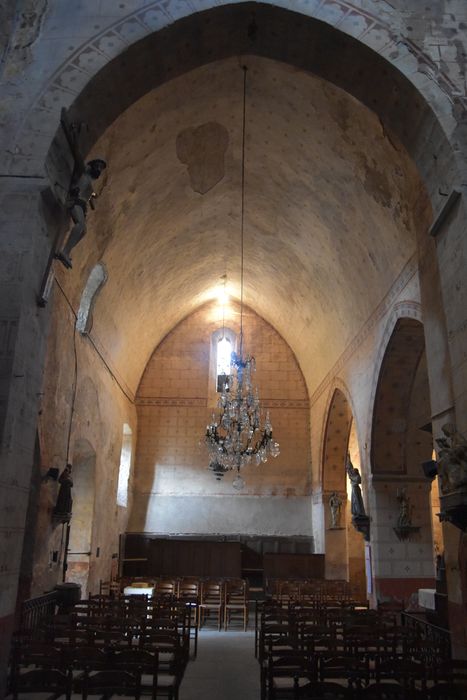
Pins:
x: 237, y: 437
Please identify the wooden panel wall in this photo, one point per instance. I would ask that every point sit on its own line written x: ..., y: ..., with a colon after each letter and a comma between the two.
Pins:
x: 150, y: 556
x: 293, y: 566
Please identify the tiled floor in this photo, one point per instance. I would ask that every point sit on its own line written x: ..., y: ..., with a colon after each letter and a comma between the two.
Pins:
x: 225, y: 668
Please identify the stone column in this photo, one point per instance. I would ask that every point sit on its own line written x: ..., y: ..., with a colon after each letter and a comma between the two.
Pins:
x: 444, y: 296
x: 336, y: 560
x: 24, y: 249
x: 401, y: 567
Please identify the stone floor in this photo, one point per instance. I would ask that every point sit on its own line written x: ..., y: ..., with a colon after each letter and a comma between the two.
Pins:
x: 225, y: 668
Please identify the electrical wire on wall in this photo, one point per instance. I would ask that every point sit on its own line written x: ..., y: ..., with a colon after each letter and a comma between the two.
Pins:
x: 75, y: 380
x: 65, y: 538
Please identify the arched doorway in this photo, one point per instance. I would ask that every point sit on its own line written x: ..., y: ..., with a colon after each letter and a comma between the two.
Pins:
x: 80, y: 546
x: 344, y: 546
x: 401, y: 441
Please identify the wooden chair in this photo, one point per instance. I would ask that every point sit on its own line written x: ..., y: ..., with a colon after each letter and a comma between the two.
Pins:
x: 142, y: 662
x: 211, y: 600
x: 236, y: 600
x: 450, y: 671
x: 54, y: 682
x: 351, y: 671
x: 111, y: 682
x: 407, y: 672
x: 327, y: 690
x: 288, y: 676
x: 166, y: 588
x: 172, y: 659
x: 278, y: 647
x: 447, y: 691
x: 389, y: 691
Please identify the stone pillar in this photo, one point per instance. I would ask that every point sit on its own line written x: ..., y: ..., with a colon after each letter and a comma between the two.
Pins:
x: 24, y: 249
x: 401, y: 567
x: 336, y: 560
x: 443, y: 286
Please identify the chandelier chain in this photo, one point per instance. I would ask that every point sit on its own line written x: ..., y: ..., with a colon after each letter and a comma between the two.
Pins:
x: 242, y: 226
x: 238, y: 435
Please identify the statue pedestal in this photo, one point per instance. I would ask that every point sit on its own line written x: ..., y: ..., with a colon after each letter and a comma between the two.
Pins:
x: 454, y: 508
x: 362, y: 524
x: 404, y: 532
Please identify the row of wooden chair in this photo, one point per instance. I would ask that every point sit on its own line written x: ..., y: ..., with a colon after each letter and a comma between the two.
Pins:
x: 87, y: 671
x: 143, y: 610
x: 224, y: 599
x: 319, y: 590
x: 325, y: 620
x: 102, y: 635
x: 304, y: 654
x: 227, y: 599
x: 288, y: 668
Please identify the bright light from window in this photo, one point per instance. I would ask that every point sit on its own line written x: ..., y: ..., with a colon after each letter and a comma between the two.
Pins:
x: 224, y: 351
x: 223, y: 296
x: 125, y: 466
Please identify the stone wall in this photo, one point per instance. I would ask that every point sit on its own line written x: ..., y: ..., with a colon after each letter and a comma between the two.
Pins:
x: 98, y: 410
x: 174, y: 491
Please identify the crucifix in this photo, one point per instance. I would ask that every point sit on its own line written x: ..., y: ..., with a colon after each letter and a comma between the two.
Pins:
x: 75, y: 199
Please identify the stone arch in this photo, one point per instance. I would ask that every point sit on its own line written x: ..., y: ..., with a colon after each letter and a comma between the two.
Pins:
x: 81, y: 82
x: 375, y: 30
x: 405, y: 309
x: 79, y: 555
x: 344, y: 547
x: 401, y: 440
x: 391, y: 406
x: 336, y: 437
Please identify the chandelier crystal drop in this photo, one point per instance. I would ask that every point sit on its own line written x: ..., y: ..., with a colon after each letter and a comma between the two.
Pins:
x: 237, y: 436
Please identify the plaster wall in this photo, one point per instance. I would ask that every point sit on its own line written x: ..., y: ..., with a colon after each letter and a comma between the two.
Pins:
x: 98, y: 414
x: 174, y: 491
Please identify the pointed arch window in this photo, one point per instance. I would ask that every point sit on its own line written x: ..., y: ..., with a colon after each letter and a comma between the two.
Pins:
x: 125, y: 466
x: 223, y: 345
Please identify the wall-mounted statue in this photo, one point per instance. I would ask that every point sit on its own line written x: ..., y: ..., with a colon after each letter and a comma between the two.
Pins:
x: 81, y: 195
x: 404, y: 518
x: 335, y: 505
x: 81, y: 192
x: 64, y: 505
x: 452, y: 460
x: 356, y: 502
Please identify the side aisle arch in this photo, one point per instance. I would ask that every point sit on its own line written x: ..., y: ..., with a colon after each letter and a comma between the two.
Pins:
x: 344, y: 547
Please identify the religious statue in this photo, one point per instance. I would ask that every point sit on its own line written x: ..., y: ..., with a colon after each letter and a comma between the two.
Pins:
x: 452, y: 460
x: 357, y: 507
x: 63, y: 507
x: 404, y: 519
x: 80, y: 195
x: 335, y: 504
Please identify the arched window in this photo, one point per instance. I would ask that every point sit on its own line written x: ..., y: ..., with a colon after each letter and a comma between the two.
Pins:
x: 223, y: 344
x: 96, y: 280
x: 125, y: 466
x: 224, y: 353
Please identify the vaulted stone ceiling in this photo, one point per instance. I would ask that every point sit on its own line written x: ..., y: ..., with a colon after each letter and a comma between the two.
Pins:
x: 332, y: 205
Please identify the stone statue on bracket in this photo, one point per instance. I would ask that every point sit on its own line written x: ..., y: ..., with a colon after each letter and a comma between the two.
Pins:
x: 452, y: 460
x: 80, y: 196
x: 404, y: 518
x: 360, y: 519
x: 81, y: 193
x: 357, y: 507
x: 64, y: 504
x: 335, y: 505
